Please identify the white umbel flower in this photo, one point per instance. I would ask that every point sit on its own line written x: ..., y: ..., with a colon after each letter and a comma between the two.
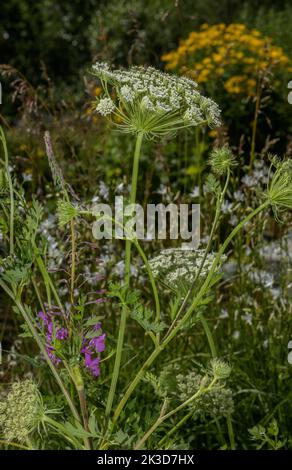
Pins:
x: 177, y: 267
x: 153, y: 102
x: 105, y: 106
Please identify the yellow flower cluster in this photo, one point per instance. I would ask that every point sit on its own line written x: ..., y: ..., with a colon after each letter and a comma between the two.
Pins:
x: 231, y: 53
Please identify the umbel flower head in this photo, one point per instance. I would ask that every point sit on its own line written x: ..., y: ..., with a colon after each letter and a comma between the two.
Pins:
x: 279, y: 193
x: 218, y: 401
x: 177, y: 267
x: 22, y: 411
x: 145, y: 100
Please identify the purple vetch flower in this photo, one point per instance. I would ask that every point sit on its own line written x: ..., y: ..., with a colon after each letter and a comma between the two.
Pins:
x: 60, y: 334
x: 98, y: 343
x: 51, y: 353
x: 44, y: 317
x: 92, y: 348
x: 92, y: 364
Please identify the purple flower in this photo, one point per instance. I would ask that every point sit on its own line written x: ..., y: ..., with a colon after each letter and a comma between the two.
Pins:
x: 61, y: 333
x: 44, y: 317
x: 92, y: 364
x: 48, y: 328
x: 91, y: 350
x: 98, y: 343
x: 51, y: 353
x: 49, y: 334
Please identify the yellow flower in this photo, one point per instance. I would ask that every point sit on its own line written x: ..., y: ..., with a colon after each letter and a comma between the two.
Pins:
x: 97, y: 91
x: 234, y: 84
x: 229, y: 51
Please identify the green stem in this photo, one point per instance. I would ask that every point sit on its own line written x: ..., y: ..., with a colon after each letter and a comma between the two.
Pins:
x: 151, y: 279
x: 38, y: 340
x: 34, y: 283
x: 63, y: 431
x: 123, y: 321
x: 73, y: 261
x: 175, y: 428
x: 162, y: 418
x: 48, y: 281
x: 185, y: 318
x: 214, y: 355
x: 14, y: 444
x: 11, y: 193
x: 254, y: 124
x: 230, y: 432
x: 136, y: 380
x: 79, y: 384
x: 209, y: 244
x: 209, y: 335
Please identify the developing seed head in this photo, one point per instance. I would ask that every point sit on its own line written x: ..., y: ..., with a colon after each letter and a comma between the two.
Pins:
x: 22, y: 411
x: 220, y: 369
x: 279, y: 193
x: 221, y: 160
x: 66, y: 212
x: 150, y: 101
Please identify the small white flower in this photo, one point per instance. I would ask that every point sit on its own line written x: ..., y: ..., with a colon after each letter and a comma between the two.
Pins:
x: 224, y: 313
x: 105, y: 106
x: 103, y: 190
x: 236, y: 334
x: 147, y: 103
x: 193, y: 115
x: 226, y: 207
x: 127, y: 93
x: 247, y: 317
x: 249, y: 181
x: 238, y: 196
x: 195, y: 192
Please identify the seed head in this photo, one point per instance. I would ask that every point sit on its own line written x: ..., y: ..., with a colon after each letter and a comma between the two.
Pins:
x: 221, y: 160
x: 66, y: 212
x: 220, y: 369
x: 279, y: 192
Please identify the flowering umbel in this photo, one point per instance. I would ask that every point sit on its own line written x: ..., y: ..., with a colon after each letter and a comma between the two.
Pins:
x: 146, y: 100
x: 22, y: 412
x: 177, y: 267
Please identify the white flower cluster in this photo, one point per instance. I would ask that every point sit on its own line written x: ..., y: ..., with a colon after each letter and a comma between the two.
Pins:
x: 177, y: 266
x: 157, y: 92
x: 218, y: 401
x: 21, y: 412
x: 105, y: 106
